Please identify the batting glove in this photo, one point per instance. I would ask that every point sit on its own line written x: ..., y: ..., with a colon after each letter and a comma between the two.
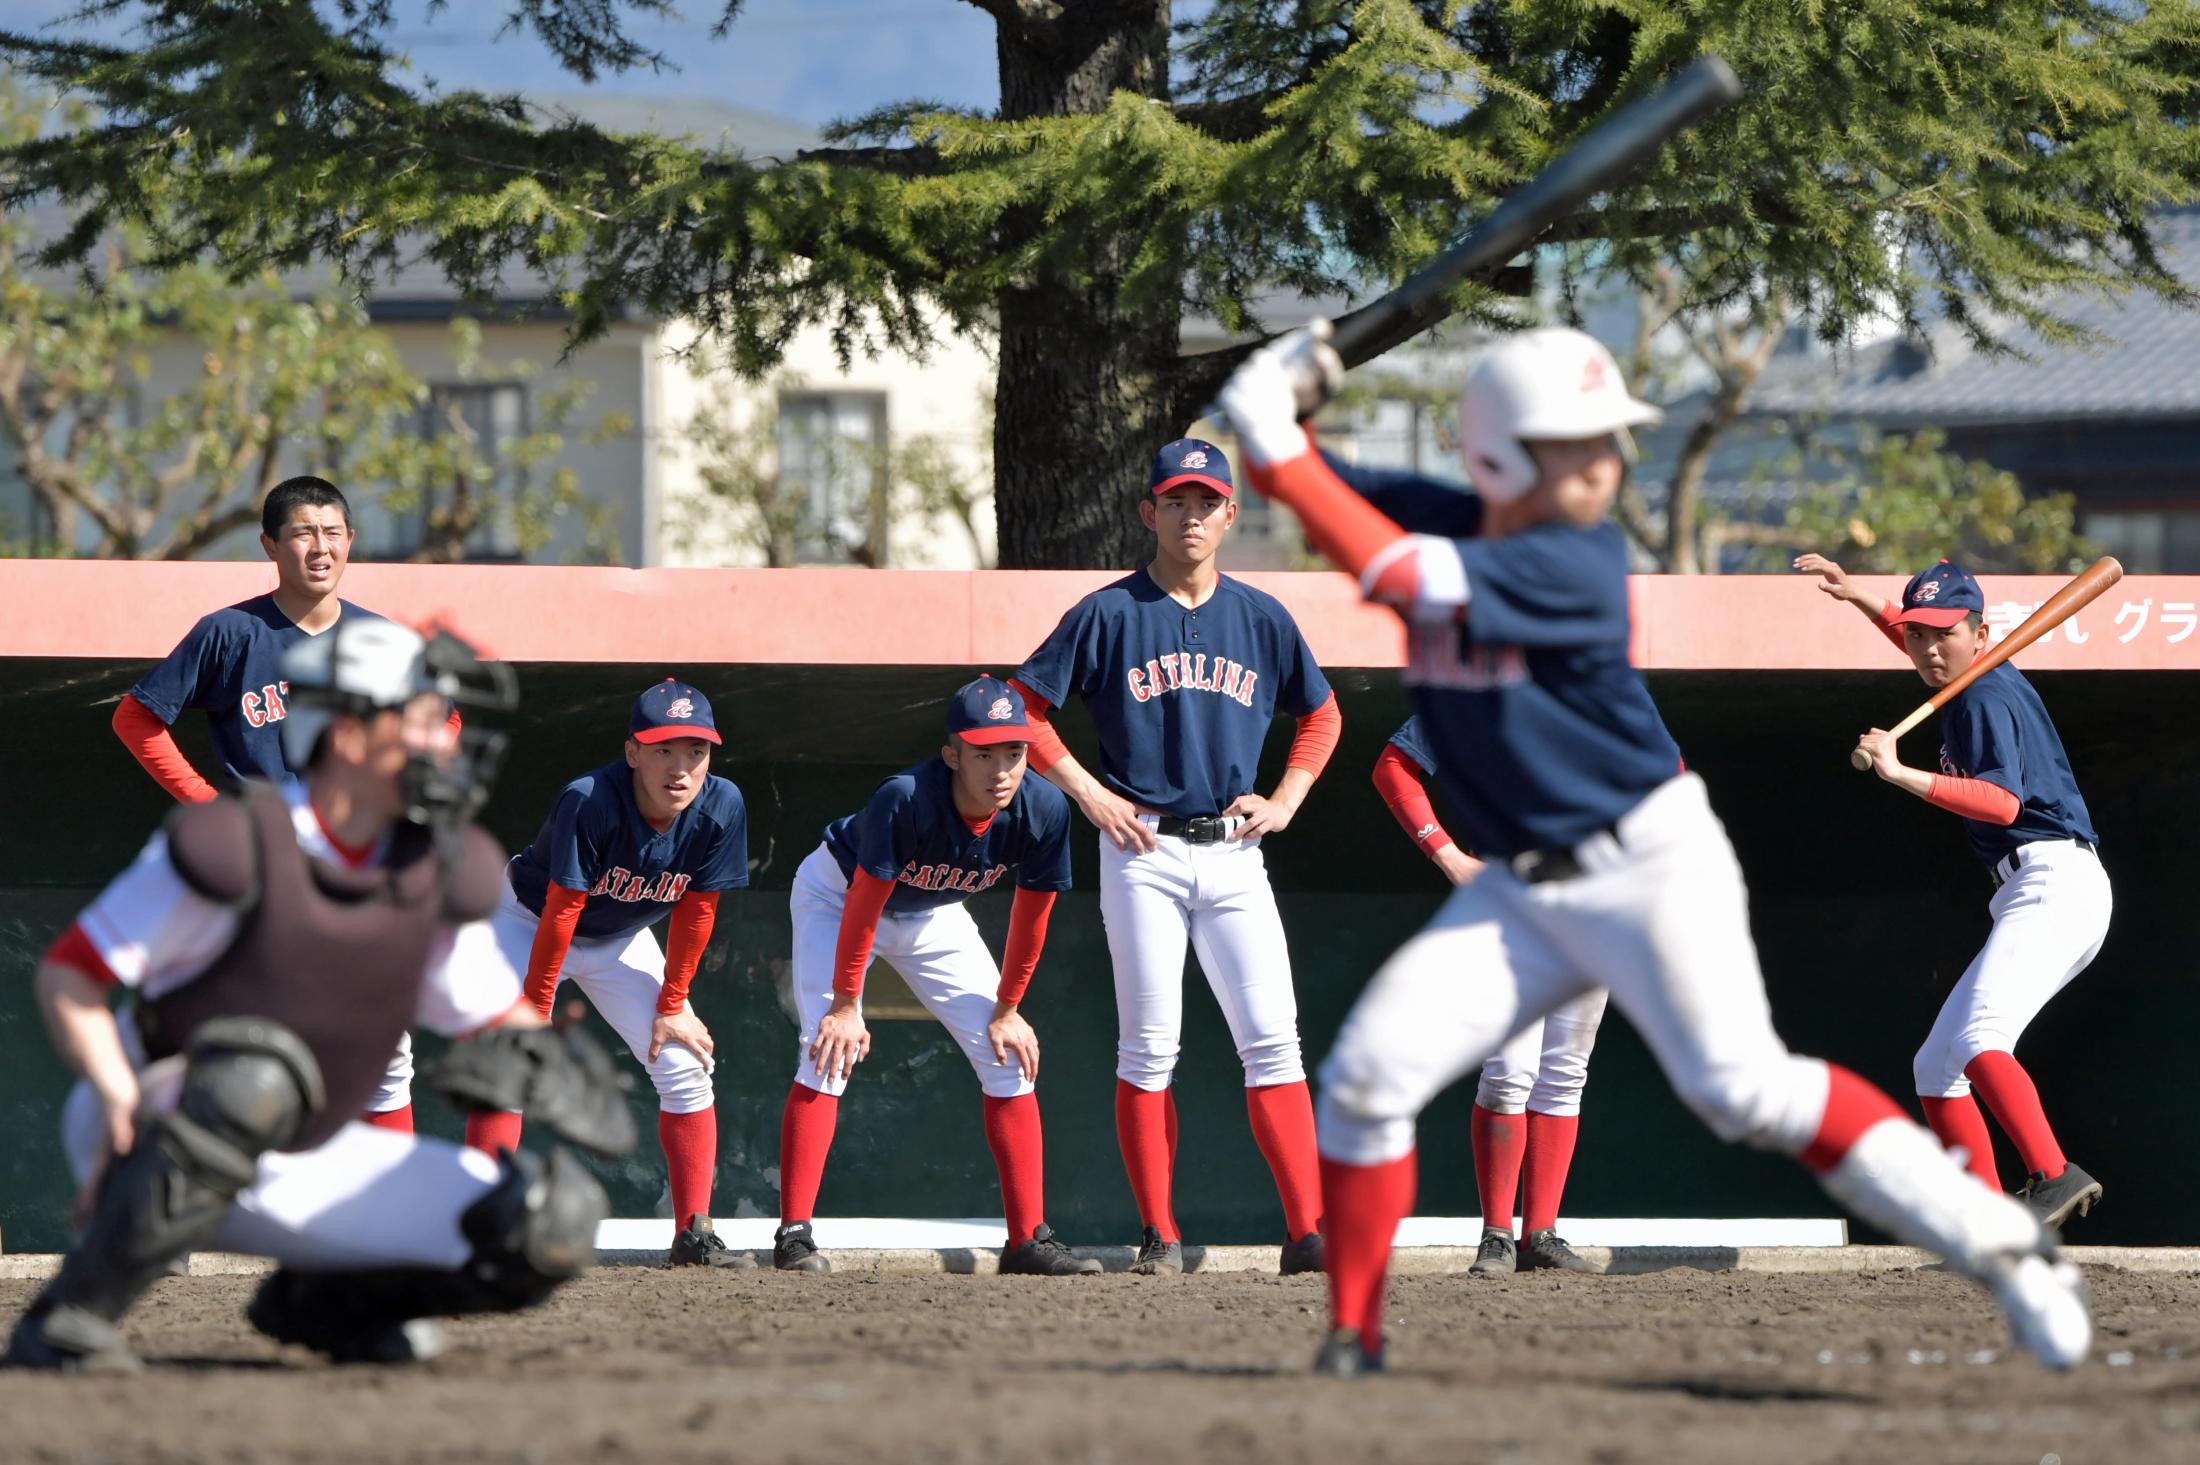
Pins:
x: 1284, y: 381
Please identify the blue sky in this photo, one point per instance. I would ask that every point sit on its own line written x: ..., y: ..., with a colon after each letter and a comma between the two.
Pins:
x: 810, y: 60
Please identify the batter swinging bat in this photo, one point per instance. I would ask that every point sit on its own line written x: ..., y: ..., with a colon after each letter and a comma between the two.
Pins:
x: 2060, y: 607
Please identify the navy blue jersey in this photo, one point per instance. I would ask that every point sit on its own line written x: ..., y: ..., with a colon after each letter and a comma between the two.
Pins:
x: 597, y: 840
x: 230, y: 667
x: 912, y: 834
x: 1181, y: 699
x: 1540, y: 728
x: 1409, y: 740
x: 1998, y: 730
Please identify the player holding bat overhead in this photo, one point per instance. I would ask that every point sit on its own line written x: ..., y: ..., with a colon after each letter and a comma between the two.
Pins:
x: 2004, y: 773
x: 1605, y: 866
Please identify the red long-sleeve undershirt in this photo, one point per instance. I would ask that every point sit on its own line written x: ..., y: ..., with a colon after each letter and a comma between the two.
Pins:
x: 1311, y: 744
x: 154, y: 746
x: 1974, y: 798
x: 692, y: 920
x: 1027, y: 937
x: 1398, y: 780
x: 1348, y: 530
x: 561, y: 916
x: 1887, y: 628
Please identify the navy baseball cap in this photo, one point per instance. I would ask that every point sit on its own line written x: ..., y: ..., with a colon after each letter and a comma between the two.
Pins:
x: 671, y: 709
x: 988, y: 710
x: 1188, y: 460
x: 1940, y: 596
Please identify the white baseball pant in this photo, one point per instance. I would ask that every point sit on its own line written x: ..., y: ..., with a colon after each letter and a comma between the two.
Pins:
x: 2050, y: 918
x: 938, y: 952
x: 622, y: 977
x: 397, y: 1084
x: 367, y: 1198
x: 1216, y: 897
x: 1545, y: 1065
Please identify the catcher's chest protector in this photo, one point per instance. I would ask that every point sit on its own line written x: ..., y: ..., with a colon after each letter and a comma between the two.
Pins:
x: 334, y: 955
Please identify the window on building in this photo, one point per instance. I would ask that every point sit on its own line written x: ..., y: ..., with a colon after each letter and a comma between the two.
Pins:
x: 490, y: 417
x: 2147, y: 541
x: 830, y: 455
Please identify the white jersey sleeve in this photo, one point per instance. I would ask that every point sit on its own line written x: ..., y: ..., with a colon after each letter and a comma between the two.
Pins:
x: 469, y: 982
x: 152, y: 930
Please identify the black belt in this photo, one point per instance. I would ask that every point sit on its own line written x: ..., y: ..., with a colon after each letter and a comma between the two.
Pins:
x: 1201, y: 828
x: 1541, y: 866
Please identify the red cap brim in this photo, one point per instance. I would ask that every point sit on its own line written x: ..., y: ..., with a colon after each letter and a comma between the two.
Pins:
x: 667, y: 734
x: 982, y: 736
x: 1183, y: 478
x: 1941, y: 617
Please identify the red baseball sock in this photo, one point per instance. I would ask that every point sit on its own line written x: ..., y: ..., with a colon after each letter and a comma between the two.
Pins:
x: 1853, y: 1105
x: 400, y: 1120
x: 1145, y: 1126
x: 1500, y: 1140
x: 805, y: 1138
x: 1012, y: 1130
x: 2007, y: 1089
x: 691, y: 1160
x: 1283, y: 1127
x: 493, y: 1130
x: 1958, y: 1124
x: 1365, y: 1203
x: 1543, y: 1175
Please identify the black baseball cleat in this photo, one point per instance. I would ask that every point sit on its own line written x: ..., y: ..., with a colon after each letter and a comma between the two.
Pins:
x: 70, y: 1340
x: 1158, y: 1258
x: 1344, y: 1356
x: 2054, y: 1201
x: 1497, y: 1256
x: 1044, y: 1255
x: 1547, y: 1251
x: 700, y: 1246
x: 794, y: 1251
x: 1303, y: 1255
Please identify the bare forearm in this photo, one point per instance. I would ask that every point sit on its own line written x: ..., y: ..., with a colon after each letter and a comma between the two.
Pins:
x: 1292, y: 788
x: 83, y: 1028
x: 1073, y: 779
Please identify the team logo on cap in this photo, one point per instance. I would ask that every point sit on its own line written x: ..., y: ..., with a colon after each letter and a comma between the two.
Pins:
x: 1592, y: 374
x: 681, y: 708
x: 1196, y: 458
x: 1001, y: 710
x: 1930, y: 590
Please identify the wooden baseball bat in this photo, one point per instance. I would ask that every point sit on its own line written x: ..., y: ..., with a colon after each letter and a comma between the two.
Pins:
x: 2059, y: 607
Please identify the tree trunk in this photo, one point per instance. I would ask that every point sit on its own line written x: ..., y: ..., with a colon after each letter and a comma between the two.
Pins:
x: 1088, y: 387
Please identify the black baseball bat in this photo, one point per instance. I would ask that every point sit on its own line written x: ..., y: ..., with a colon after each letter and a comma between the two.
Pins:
x: 1615, y: 148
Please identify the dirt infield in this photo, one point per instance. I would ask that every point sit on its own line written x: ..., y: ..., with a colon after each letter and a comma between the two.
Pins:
x: 634, y: 1363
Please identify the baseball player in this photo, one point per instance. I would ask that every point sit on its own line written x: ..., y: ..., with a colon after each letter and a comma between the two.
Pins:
x: 1605, y: 867
x: 1183, y: 669
x: 2004, y: 773
x: 1539, y: 1073
x: 229, y: 667
x: 891, y: 881
x: 652, y: 833
x: 271, y: 975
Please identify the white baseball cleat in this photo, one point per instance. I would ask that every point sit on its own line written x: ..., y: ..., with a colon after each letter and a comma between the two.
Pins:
x: 2047, y: 1308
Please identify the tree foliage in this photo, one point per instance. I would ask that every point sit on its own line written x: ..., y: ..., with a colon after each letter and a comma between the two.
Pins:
x: 1966, y: 157
x: 154, y: 468
x: 1903, y: 500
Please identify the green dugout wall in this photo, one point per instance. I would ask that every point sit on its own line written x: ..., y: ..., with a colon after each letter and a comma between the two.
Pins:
x: 1866, y: 903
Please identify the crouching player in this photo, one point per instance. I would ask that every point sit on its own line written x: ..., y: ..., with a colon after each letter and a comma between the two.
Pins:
x: 1605, y: 867
x: 891, y: 881
x: 277, y: 941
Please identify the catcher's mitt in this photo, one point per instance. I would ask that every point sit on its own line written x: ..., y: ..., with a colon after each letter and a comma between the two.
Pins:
x: 562, y: 1079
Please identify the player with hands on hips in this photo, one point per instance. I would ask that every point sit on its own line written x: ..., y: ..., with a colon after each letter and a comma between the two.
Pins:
x: 652, y: 834
x: 1606, y: 867
x: 230, y: 667
x: 271, y: 975
x: 1527, y: 1102
x: 2003, y: 771
x: 891, y: 881
x: 1183, y: 670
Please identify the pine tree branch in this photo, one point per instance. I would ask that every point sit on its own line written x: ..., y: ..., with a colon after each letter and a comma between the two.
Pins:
x: 903, y: 162
x: 1229, y: 119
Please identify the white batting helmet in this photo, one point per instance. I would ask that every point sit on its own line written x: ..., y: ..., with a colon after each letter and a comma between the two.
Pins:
x: 1553, y: 383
